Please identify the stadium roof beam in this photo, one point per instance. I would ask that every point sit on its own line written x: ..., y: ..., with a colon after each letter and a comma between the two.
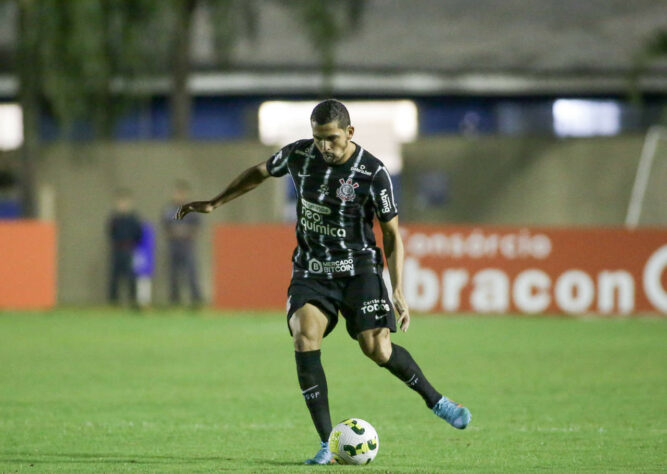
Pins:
x: 379, y: 83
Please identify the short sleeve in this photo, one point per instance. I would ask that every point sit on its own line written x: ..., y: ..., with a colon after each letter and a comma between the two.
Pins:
x: 382, y: 193
x: 277, y: 164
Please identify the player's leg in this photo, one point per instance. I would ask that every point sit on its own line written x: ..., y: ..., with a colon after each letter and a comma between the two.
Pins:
x: 308, y: 325
x: 377, y: 345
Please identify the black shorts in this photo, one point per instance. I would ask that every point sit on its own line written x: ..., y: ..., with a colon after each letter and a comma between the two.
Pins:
x: 362, y: 300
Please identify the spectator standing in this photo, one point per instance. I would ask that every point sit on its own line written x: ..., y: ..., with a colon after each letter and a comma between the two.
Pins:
x: 181, y: 239
x: 124, y: 231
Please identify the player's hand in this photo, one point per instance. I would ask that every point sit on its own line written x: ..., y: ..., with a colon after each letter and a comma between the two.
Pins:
x: 402, y: 310
x: 197, y: 206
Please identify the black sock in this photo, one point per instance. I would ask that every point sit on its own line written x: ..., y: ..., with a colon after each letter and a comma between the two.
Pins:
x: 403, y: 366
x: 314, y: 388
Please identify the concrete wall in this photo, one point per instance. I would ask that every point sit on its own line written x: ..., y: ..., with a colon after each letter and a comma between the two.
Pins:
x: 77, y: 184
x: 538, y: 181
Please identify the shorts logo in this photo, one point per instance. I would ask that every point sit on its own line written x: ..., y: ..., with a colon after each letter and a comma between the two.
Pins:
x: 346, y: 191
x: 376, y: 306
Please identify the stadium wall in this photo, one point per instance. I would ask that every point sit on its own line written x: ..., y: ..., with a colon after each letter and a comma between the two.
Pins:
x: 521, y: 181
x: 489, y: 180
x: 76, y: 185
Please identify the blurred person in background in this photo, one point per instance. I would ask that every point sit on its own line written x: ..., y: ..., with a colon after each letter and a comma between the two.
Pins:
x: 181, y: 239
x: 124, y: 231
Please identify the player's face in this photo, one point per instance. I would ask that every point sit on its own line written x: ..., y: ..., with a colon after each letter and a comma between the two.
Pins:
x: 333, y: 142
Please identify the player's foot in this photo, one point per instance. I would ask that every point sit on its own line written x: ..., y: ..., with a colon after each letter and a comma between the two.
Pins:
x: 323, y: 456
x: 453, y: 413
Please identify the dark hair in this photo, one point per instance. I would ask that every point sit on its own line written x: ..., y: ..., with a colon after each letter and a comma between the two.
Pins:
x: 330, y: 110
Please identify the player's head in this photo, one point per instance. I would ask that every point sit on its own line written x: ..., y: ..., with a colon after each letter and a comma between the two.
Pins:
x: 123, y: 200
x: 332, y: 131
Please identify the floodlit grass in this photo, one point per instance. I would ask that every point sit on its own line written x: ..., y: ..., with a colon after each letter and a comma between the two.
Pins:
x: 108, y: 391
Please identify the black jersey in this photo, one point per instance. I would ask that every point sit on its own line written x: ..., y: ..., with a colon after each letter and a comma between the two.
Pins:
x: 335, y: 209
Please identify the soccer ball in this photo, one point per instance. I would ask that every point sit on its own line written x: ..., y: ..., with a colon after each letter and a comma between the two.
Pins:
x: 354, y: 441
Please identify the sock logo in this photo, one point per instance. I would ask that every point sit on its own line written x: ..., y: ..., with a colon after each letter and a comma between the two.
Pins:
x: 412, y: 381
x: 308, y: 393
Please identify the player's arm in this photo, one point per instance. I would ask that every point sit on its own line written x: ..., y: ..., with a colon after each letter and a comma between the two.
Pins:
x: 393, y: 250
x: 246, y: 181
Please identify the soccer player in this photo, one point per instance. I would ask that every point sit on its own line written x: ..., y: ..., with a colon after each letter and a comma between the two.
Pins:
x: 336, y: 266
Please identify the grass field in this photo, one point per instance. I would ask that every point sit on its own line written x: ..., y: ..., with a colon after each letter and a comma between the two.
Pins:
x: 108, y: 391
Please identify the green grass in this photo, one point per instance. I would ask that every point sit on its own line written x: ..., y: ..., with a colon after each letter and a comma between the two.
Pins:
x: 108, y: 391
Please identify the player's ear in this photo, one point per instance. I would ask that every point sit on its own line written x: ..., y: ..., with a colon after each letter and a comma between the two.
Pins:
x: 349, y: 131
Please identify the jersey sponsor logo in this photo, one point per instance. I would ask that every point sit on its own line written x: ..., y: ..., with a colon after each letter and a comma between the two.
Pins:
x: 386, y: 203
x: 312, y: 221
x: 346, y: 190
x: 316, y: 207
x: 362, y: 169
x: 374, y: 306
x: 335, y: 266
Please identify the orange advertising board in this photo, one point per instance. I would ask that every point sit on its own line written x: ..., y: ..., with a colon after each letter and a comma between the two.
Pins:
x: 536, y: 270
x: 253, y: 265
x: 27, y: 265
x: 451, y: 269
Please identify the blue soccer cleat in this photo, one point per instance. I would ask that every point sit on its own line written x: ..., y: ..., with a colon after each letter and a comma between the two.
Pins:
x: 453, y: 413
x: 323, y: 456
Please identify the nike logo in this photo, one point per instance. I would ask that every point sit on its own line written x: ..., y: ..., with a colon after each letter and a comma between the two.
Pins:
x: 380, y: 317
x: 309, y: 389
x: 303, y: 175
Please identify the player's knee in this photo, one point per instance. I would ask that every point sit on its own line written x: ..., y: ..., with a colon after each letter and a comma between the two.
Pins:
x: 378, y: 349
x: 381, y: 354
x: 306, y: 341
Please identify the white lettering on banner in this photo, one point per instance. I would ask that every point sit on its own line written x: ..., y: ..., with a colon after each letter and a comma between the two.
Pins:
x: 490, y: 292
x: 453, y: 281
x: 477, y: 244
x: 527, y: 300
x: 533, y: 290
x: 608, y: 284
x: 574, y: 291
x: 655, y: 266
x: 420, y: 286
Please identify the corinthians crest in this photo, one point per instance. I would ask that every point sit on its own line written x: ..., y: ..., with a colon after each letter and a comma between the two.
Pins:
x: 346, y: 190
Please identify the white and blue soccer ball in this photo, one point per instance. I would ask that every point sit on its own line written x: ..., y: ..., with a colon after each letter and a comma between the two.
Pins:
x: 354, y: 441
